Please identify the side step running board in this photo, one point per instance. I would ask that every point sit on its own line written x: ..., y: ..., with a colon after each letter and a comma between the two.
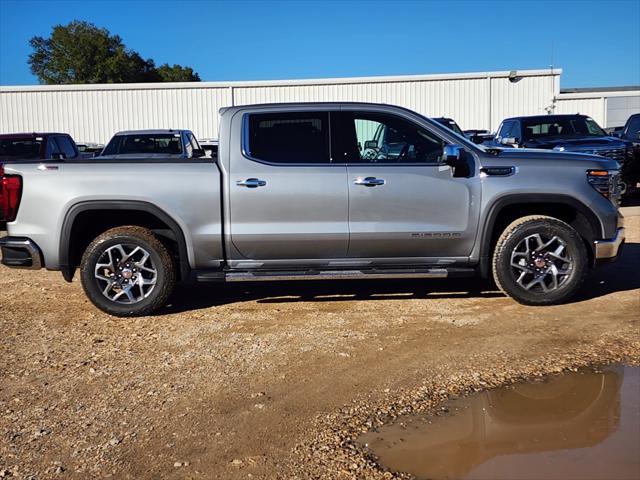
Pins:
x: 265, y: 276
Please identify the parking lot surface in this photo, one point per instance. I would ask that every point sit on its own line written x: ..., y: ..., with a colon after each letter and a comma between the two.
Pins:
x: 273, y: 380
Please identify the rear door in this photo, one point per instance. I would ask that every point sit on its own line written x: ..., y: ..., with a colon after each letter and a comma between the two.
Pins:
x: 288, y: 202
x: 405, y: 205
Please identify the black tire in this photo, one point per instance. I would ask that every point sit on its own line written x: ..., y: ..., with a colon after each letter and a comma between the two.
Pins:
x: 514, y: 237
x: 130, y: 237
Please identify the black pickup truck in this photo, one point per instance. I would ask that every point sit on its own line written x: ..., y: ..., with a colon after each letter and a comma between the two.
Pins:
x: 567, y: 133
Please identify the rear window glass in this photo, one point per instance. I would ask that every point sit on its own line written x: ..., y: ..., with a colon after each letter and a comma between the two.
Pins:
x: 289, y: 137
x: 163, y: 143
x: 27, y: 149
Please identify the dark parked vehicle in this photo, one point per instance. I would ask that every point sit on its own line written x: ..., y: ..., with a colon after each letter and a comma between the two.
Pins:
x: 37, y: 146
x: 450, y: 123
x: 565, y: 133
x: 90, y: 149
x: 25, y: 147
x: 631, y: 133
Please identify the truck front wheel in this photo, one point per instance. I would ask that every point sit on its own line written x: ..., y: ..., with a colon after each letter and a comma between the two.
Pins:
x: 540, y: 260
x: 127, y: 272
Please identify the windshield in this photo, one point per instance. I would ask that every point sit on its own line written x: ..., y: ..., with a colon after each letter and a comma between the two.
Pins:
x: 561, y: 127
x: 147, y: 143
x: 24, y: 148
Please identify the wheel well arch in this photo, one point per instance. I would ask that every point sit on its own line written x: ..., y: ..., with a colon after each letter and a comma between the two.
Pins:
x: 565, y: 208
x: 86, y: 220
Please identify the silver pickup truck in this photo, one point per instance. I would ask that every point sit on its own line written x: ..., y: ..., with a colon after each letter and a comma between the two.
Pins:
x: 299, y: 192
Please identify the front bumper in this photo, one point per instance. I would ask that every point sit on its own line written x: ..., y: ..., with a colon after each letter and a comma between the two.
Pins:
x: 608, y: 250
x: 20, y: 252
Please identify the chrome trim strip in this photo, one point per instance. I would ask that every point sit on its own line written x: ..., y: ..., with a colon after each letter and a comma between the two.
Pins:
x: 24, y: 244
x: 333, y: 275
x: 609, y: 248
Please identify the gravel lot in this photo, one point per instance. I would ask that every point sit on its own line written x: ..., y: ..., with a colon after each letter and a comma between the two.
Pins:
x: 273, y: 380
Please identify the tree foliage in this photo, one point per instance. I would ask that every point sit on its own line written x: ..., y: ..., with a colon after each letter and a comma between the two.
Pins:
x: 80, y: 52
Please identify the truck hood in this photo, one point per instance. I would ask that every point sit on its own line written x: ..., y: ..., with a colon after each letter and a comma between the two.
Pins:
x: 526, y: 154
x: 576, y: 143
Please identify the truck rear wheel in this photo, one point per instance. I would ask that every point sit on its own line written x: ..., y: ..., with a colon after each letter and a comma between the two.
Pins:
x: 127, y: 272
x: 540, y: 260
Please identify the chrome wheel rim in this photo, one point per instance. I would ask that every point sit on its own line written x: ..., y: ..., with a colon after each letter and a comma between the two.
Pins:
x: 126, y: 273
x: 541, y: 264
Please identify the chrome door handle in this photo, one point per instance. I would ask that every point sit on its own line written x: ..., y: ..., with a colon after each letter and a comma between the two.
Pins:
x: 369, y: 181
x: 251, y: 183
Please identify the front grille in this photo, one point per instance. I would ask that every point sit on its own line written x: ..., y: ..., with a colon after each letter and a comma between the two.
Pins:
x: 618, y: 154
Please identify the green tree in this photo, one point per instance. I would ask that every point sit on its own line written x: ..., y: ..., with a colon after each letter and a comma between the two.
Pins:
x: 177, y: 73
x: 80, y: 52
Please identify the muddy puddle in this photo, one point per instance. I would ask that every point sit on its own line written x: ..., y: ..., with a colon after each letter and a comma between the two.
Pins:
x: 582, y: 425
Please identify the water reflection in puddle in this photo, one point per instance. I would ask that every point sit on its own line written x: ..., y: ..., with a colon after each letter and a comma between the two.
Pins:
x: 583, y: 425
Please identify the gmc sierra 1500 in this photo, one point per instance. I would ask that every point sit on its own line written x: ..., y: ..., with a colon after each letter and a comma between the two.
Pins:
x: 301, y: 191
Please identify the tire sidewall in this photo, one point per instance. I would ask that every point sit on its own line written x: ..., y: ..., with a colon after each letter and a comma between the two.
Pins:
x: 547, y: 228
x: 93, y: 291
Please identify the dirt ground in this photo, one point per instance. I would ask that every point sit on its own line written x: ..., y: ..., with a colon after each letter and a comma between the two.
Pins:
x: 273, y: 380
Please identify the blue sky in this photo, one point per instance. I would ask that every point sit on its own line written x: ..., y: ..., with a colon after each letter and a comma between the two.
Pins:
x: 597, y: 43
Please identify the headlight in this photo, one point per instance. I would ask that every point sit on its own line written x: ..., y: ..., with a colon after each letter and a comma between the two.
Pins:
x: 606, y: 182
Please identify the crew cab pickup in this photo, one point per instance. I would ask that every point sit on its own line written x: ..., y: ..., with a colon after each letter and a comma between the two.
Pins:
x: 293, y: 196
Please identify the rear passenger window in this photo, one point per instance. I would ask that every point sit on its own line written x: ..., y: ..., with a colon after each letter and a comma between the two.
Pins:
x: 289, y: 137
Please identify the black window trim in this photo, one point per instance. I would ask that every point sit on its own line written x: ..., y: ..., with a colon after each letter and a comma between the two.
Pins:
x: 244, y: 144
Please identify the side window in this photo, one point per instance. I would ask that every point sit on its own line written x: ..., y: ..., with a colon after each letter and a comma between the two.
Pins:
x: 370, y: 137
x: 633, y: 128
x: 194, y: 142
x: 515, y: 131
x: 52, y: 148
x: 288, y: 137
x: 187, y: 145
x: 505, y: 130
x: 66, y: 147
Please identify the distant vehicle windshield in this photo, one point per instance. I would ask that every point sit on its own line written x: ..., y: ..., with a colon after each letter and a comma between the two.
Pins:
x: 450, y: 124
x: 25, y: 148
x: 146, y: 143
x: 561, y: 127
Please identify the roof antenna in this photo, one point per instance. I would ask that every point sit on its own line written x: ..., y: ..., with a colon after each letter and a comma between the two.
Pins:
x: 551, y: 108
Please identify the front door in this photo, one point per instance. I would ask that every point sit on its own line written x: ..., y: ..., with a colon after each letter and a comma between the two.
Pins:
x: 405, y: 205
x: 287, y: 202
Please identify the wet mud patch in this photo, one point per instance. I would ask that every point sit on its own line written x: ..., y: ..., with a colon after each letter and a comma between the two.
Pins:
x: 574, y: 425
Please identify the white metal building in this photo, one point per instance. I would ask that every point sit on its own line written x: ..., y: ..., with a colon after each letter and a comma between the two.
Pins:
x: 95, y: 112
x: 610, y: 107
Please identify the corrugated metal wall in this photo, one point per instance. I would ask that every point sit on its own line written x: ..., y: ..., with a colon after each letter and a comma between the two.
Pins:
x: 609, y: 109
x: 95, y: 112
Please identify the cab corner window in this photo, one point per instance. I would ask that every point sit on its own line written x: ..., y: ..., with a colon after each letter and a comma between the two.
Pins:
x: 288, y: 137
x: 371, y: 137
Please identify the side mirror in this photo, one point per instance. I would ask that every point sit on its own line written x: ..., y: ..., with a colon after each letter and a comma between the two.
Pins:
x: 616, y: 134
x: 509, y: 141
x: 477, y: 139
x: 454, y: 156
x: 371, y: 144
x: 197, y: 153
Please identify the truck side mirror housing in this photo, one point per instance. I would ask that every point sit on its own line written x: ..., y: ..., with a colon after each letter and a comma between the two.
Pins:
x: 453, y: 156
x: 370, y: 144
x: 198, y: 153
x: 509, y: 141
x: 477, y: 139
